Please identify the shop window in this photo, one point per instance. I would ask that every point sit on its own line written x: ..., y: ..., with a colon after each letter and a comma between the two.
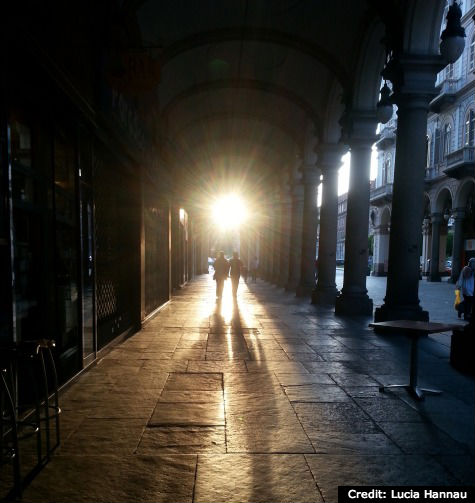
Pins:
x: 66, y: 253
x: 470, y: 128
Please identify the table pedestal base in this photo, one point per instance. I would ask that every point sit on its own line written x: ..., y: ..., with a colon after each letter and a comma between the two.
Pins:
x: 414, y: 391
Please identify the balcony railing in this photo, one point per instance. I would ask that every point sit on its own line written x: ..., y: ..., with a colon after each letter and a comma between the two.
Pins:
x: 460, y: 163
x: 461, y: 156
x: 381, y: 194
x: 447, y: 90
x: 387, y: 135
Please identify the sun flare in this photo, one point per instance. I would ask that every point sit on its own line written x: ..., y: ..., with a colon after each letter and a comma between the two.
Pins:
x: 229, y: 212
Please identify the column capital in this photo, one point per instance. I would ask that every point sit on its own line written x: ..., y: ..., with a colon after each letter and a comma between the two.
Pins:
x: 297, y: 191
x: 311, y: 174
x: 413, y: 77
x: 425, y: 226
x: 458, y: 213
x: 436, y: 218
x: 362, y: 129
x: 329, y: 156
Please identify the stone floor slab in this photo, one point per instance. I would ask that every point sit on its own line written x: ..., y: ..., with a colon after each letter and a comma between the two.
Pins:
x: 330, y: 471
x: 303, y: 379
x: 421, y: 438
x: 191, y: 396
x: 255, y: 478
x: 115, y: 479
x: 187, y: 414
x: 316, y: 393
x: 95, y: 436
x: 195, y: 382
x: 182, y: 440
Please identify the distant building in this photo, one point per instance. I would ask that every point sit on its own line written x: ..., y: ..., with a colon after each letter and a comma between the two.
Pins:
x: 450, y: 170
x: 341, y: 227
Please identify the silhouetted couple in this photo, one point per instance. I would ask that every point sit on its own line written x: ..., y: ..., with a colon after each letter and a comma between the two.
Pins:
x: 223, y: 269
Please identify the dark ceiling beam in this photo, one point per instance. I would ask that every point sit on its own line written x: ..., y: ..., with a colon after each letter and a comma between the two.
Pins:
x: 316, y: 52
x: 295, y: 135
x: 256, y: 85
x: 211, y: 126
x: 232, y: 144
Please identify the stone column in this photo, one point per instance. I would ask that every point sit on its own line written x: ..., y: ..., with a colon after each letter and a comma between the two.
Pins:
x: 434, y: 274
x: 277, y: 237
x: 311, y: 179
x: 353, y: 299
x: 262, y: 248
x: 295, y: 232
x: 286, y: 213
x: 269, y: 249
x: 413, y: 82
x: 425, y: 246
x: 381, y: 246
x: 329, y: 161
x: 458, y: 215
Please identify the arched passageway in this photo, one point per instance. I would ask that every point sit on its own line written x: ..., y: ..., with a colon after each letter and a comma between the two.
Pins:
x: 121, y: 122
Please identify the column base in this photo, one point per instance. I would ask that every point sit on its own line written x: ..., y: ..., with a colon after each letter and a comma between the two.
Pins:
x: 304, y: 290
x: 388, y: 312
x: 353, y: 305
x: 324, y: 296
x: 275, y: 280
x: 434, y: 279
x: 282, y: 282
x: 291, y: 286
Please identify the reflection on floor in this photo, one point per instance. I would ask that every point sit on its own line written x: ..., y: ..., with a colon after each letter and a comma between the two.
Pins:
x: 264, y: 400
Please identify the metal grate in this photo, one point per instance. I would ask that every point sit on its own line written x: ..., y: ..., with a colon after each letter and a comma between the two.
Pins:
x: 116, y: 212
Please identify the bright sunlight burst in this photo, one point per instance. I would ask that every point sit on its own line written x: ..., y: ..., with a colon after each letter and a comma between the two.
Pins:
x: 229, y: 212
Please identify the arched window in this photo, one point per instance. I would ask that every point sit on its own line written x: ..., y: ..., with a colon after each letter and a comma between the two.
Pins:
x: 471, y: 54
x: 447, y: 139
x: 470, y: 128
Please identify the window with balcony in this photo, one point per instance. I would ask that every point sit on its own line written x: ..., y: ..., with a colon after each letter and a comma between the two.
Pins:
x: 386, y: 174
x: 470, y: 128
x: 447, y: 139
x: 428, y: 145
x: 437, y: 146
x: 449, y: 71
x: 471, y: 54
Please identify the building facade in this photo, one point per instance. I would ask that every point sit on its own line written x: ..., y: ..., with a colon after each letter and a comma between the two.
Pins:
x: 341, y: 227
x: 447, y: 234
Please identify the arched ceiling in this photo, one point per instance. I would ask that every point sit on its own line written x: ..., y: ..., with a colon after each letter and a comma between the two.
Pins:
x: 246, y: 78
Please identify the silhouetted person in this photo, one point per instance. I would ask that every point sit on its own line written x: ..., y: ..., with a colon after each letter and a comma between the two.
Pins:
x: 244, y: 272
x: 254, y: 267
x: 465, y: 284
x: 221, y: 270
x: 235, y: 273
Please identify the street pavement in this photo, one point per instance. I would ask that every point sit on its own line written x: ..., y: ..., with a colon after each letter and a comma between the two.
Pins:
x: 269, y: 399
x: 437, y: 298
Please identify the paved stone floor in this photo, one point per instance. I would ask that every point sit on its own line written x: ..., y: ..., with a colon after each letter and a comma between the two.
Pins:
x: 267, y: 400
